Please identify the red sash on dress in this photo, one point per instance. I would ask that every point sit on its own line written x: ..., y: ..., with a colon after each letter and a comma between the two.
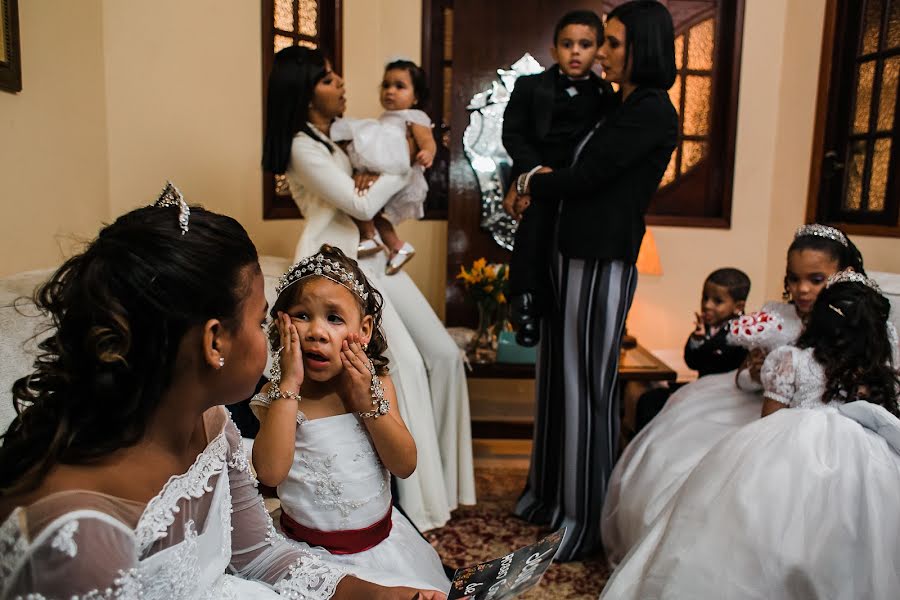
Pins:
x: 339, y: 542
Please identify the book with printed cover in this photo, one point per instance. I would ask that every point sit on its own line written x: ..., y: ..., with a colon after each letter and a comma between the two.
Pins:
x: 507, y: 576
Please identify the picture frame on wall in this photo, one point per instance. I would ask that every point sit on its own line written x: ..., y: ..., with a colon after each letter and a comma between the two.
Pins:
x: 10, y: 59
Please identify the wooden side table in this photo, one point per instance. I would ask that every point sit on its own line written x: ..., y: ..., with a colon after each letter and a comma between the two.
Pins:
x: 515, y: 418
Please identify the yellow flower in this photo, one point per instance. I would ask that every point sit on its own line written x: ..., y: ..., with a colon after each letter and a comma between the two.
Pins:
x: 489, y: 288
x: 501, y: 298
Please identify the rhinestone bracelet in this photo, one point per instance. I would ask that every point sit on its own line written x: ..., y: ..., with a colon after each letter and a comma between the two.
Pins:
x: 380, y: 405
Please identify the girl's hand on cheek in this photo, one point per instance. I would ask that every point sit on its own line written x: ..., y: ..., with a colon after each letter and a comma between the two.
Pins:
x: 291, y: 360
x: 356, y: 379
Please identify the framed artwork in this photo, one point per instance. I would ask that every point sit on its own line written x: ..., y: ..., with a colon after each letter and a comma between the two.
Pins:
x: 10, y: 63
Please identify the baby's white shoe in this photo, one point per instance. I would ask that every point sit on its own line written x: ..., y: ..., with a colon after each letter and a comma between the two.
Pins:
x: 399, y: 258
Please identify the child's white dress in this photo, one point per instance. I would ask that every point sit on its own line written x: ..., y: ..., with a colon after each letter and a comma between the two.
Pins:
x: 799, y: 504
x: 380, y: 146
x: 659, y: 459
x: 337, y: 483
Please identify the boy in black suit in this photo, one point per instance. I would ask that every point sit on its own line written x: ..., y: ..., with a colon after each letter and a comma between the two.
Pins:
x: 547, y: 115
x: 707, y: 350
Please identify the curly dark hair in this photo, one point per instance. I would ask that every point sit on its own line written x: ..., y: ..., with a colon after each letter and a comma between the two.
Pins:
x: 117, y: 314
x: 372, y: 306
x: 847, y: 330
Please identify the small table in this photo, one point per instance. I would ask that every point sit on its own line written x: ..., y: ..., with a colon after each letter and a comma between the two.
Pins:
x: 516, y: 421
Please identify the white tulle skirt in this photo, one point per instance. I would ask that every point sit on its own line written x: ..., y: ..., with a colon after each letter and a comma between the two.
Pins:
x: 655, y: 464
x: 801, y: 504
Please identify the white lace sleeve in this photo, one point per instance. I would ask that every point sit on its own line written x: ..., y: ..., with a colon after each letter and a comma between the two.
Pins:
x: 82, y: 554
x: 258, y: 551
x: 779, y: 376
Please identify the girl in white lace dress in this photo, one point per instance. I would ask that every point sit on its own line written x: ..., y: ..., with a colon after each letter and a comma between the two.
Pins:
x: 330, y: 433
x: 122, y: 476
x: 658, y: 460
x: 803, y: 503
x: 402, y: 134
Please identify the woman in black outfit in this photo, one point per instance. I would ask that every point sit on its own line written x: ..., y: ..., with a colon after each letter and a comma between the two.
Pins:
x: 602, y: 199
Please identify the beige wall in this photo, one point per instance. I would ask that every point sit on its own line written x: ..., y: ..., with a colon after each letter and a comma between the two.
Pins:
x: 183, y: 95
x: 127, y: 93
x: 53, y: 136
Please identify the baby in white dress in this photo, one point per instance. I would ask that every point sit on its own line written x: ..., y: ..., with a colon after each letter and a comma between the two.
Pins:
x: 400, y: 141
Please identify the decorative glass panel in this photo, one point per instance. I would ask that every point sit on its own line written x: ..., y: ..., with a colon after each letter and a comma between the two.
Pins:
x: 893, y: 30
x: 675, y: 94
x: 700, y: 46
x: 866, y: 75
x: 696, y: 105
x: 448, y: 94
x: 282, y: 41
x: 308, y: 17
x: 889, y: 77
x: 284, y: 15
x: 679, y: 52
x: 448, y: 34
x: 871, y: 26
x: 669, y: 175
x: 880, y: 168
x: 693, y: 153
x: 307, y: 44
x: 856, y: 161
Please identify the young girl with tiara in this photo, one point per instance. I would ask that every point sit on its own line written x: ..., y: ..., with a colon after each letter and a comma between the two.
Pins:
x: 398, y: 141
x: 802, y: 503
x: 658, y: 460
x: 330, y: 434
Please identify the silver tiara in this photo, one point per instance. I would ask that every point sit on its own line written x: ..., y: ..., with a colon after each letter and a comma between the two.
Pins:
x: 851, y: 276
x: 321, y: 266
x: 824, y: 231
x: 170, y: 196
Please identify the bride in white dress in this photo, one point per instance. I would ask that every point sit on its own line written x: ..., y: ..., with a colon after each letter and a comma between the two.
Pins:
x: 426, y: 363
x: 802, y: 503
x: 658, y: 460
x: 122, y: 476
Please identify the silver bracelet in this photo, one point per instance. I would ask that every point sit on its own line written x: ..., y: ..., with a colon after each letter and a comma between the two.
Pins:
x: 524, y: 180
x: 380, y: 405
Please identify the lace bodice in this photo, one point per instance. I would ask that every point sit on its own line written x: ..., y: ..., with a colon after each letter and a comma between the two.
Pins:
x: 203, y: 536
x: 337, y: 481
x: 793, y: 377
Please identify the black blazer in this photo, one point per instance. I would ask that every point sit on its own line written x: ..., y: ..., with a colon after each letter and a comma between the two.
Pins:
x: 607, y: 191
x: 714, y: 354
x: 526, y: 119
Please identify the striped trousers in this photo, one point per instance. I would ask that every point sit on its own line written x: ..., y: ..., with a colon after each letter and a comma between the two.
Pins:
x: 576, y: 424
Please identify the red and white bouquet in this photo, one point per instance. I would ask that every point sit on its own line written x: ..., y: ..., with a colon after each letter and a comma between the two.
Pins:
x: 757, y: 330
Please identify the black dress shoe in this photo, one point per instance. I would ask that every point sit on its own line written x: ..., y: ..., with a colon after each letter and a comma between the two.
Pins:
x: 524, y: 315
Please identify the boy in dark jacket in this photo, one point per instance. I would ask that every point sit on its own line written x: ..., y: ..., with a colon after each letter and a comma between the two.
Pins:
x: 707, y: 350
x: 547, y: 115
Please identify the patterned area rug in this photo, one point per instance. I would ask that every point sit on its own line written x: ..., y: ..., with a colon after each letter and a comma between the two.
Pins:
x: 488, y: 530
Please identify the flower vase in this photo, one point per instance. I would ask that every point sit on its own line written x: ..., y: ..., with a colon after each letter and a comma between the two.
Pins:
x: 484, y: 345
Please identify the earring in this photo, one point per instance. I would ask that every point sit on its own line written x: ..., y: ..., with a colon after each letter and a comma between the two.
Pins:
x: 365, y: 346
x: 221, y: 362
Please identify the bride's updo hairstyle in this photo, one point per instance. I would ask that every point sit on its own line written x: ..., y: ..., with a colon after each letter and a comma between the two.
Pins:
x: 370, y: 303
x: 848, y: 331
x: 117, y: 313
